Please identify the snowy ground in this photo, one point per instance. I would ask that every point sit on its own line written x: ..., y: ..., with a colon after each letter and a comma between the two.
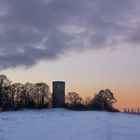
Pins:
x: 59, y: 124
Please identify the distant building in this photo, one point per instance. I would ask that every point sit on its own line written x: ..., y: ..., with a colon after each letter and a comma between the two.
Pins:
x: 58, y: 94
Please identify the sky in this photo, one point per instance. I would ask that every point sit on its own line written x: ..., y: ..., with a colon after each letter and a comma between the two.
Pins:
x: 92, y: 45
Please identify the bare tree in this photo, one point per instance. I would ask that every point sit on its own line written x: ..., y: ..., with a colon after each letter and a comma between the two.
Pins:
x: 73, y: 99
x: 4, y: 90
x: 41, y: 96
x: 29, y: 95
x: 104, y: 100
x: 17, y: 95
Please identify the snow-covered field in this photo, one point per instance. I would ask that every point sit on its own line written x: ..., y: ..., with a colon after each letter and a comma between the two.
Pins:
x: 60, y: 124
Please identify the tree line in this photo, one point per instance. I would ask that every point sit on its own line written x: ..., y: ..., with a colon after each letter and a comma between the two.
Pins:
x: 15, y: 96
x: 103, y: 101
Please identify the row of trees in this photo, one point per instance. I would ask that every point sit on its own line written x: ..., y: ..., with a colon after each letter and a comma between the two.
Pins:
x: 14, y: 96
x: 103, y: 100
x: 17, y: 96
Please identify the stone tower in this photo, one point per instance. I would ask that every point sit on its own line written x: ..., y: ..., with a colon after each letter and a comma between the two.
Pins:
x: 58, y: 94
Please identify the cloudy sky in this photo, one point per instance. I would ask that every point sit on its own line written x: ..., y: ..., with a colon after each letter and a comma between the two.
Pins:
x: 91, y: 44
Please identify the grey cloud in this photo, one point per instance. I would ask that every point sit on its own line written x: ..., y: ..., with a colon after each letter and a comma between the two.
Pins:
x: 33, y: 30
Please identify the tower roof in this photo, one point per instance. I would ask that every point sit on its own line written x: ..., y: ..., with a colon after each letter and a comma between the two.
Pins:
x: 58, y: 82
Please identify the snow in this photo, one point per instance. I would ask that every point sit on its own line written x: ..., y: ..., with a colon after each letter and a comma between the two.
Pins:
x: 60, y: 124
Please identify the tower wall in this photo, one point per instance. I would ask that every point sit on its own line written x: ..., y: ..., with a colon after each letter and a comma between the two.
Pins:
x: 58, y: 94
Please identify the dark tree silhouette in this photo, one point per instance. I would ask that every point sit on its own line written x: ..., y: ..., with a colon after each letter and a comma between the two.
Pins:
x: 4, y: 91
x: 17, y: 96
x: 41, y: 95
x: 29, y: 95
x: 74, y: 101
x: 104, y: 100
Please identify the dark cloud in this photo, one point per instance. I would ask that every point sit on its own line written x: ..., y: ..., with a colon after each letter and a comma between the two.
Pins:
x: 32, y: 30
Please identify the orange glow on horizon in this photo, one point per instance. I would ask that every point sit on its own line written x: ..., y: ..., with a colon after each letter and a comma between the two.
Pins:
x: 125, y: 97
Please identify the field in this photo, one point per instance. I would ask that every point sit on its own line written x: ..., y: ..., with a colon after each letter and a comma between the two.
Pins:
x: 60, y: 124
